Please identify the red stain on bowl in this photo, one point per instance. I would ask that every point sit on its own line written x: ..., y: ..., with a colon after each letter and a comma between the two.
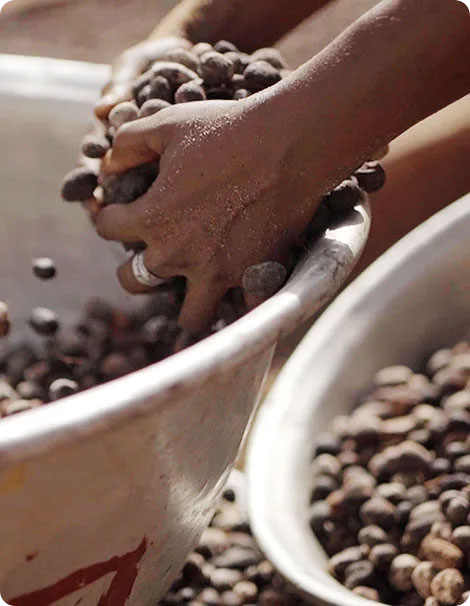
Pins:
x: 125, y: 568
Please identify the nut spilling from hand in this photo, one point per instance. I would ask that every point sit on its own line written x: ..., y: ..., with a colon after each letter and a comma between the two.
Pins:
x: 187, y: 76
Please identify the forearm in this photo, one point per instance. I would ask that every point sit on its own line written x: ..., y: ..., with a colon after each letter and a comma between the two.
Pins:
x: 403, y: 61
x: 250, y: 24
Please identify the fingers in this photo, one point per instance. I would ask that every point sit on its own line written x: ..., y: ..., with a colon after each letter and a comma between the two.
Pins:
x: 200, y: 306
x: 121, y: 222
x: 116, y: 93
x: 127, y: 277
x: 129, y: 67
x: 93, y: 207
x: 135, y: 143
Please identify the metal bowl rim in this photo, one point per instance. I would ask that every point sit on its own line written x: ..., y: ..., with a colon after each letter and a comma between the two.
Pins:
x: 274, y: 418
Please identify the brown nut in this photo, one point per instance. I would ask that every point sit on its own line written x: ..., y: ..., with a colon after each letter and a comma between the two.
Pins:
x: 401, y: 571
x: 398, y: 427
x: 427, y: 510
x: 175, y: 73
x: 392, y: 375
x: 79, y: 185
x: 447, y: 586
x: 260, y: 75
x: 216, y: 69
x: 407, y: 457
x: 122, y: 113
x: 340, y: 561
x: 359, y: 573
x: 422, y: 577
x: 127, y: 187
x: 383, y: 555
x: 441, y: 530
x: 371, y: 177
x: 460, y: 400
x: 191, y: 91
x: 239, y: 60
x: 372, y: 535
x: 457, y: 510
x: 343, y: 197
x: 271, y: 56
x: 265, y: 279
x: 369, y: 593
x: 379, y: 512
x: 461, y: 538
x: 153, y: 106
x: 159, y: 88
x: 94, y: 146
x: 443, y: 554
x: 327, y: 464
x: 223, y: 46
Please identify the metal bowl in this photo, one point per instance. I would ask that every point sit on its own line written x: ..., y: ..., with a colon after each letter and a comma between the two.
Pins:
x: 413, y: 300
x: 104, y: 494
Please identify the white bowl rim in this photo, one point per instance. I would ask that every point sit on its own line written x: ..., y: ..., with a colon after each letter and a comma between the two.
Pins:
x: 277, y: 409
x: 76, y: 417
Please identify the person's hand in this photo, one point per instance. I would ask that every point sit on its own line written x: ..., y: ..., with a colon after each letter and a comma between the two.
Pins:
x: 229, y: 194
x: 131, y: 64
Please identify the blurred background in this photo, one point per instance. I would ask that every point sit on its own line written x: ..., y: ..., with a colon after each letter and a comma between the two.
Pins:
x: 97, y: 30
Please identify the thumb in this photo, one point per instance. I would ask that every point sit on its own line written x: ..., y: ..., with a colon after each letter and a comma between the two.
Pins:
x: 135, y: 143
x: 200, y: 306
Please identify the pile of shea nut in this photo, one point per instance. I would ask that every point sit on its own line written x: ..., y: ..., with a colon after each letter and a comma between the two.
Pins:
x: 391, y: 490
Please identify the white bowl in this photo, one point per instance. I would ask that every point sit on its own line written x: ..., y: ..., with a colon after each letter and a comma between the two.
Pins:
x: 413, y: 300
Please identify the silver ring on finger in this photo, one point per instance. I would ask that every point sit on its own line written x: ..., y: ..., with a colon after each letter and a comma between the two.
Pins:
x: 142, y: 274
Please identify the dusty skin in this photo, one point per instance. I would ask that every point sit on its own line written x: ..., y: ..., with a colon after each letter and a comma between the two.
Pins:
x: 214, y: 237
x: 239, y: 181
